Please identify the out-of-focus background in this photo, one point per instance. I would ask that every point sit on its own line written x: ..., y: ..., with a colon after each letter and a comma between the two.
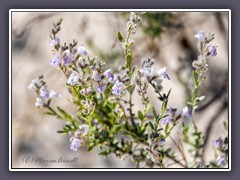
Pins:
x: 166, y: 37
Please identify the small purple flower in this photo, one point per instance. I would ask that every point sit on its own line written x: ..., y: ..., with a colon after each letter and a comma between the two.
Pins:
x: 200, y: 35
x: 147, y: 71
x: 82, y: 50
x: 38, y: 102
x: 86, y: 91
x: 161, y: 142
x: 96, y: 76
x: 220, y: 160
x: 101, y: 88
x: 218, y: 142
x: 167, y: 119
x: 82, y: 62
x: 117, y: 88
x: 213, y: 50
x: 44, y: 92
x: 84, y: 128
x: 73, y: 79
x: 55, y: 41
x: 111, y: 77
x: 76, y: 143
x: 33, y: 83
x: 56, y: 60
x: 68, y: 58
x: 163, y: 73
x: 54, y: 94
x: 185, y: 112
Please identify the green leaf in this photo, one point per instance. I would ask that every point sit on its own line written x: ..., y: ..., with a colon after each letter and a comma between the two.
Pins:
x: 105, y: 153
x: 195, y: 92
x: 65, y: 115
x: 140, y: 115
x: 195, y: 76
x: 130, y: 44
x: 120, y: 38
x: 169, y: 92
x: 190, y: 103
x: 129, y: 59
x: 225, y: 125
x: 50, y: 113
x: 154, y: 113
x: 151, y: 125
x: 148, y: 108
x: 61, y: 132
x: 167, y: 128
x: 91, y: 147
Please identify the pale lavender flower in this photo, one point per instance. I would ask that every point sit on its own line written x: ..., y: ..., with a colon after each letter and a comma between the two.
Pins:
x: 167, y: 119
x: 84, y: 128
x: 68, y: 58
x: 54, y: 94
x: 96, y: 76
x: 55, y: 41
x: 220, y: 160
x: 33, y: 83
x: 200, y: 35
x: 44, y: 92
x: 39, y: 102
x: 218, y: 142
x: 147, y: 71
x: 86, y: 91
x: 117, y: 88
x: 111, y: 77
x: 185, y: 112
x: 76, y: 143
x: 73, y: 79
x: 213, y: 50
x: 82, y: 50
x: 83, y: 62
x: 101, y: 88
x: 163, y: 73
x: 56, y: 60
x: 161, y: 142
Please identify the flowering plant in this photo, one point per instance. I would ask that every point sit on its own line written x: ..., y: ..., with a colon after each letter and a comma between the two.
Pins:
x: 104, y: 99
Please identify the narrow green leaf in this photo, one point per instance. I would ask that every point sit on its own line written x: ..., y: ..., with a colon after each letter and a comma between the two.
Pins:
x: 129, y: 59
x: 140, y: 115
x: 66, y: 116
x: 195, y: 76
x: 120, y: 38
x: 62, y: 132
x: 169, y: 92
x: 130, y: 44
x: 154, y: 112
x: 167, y: 128
x: 225, y: 125
x: 50, y: 113
x: 148, y: 108
x: 151, y: 125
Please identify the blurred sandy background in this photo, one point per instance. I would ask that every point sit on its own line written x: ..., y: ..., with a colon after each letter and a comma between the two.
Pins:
x: 35, y: 135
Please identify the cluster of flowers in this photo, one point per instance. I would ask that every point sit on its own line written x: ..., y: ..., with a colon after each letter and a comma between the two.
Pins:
x: 79, y: 137
x: 221, y: 146
x: 44, y: 97
x: 206, y: 50
x: 74, y: 78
